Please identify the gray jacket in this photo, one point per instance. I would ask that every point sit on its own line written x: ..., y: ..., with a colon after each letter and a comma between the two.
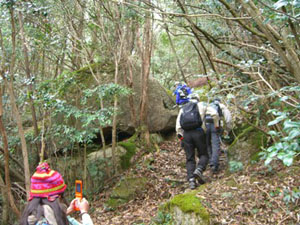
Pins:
x: 204, y: 109
x: 50, y: 217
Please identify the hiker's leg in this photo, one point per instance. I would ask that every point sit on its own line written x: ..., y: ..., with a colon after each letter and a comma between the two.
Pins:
x: 215, y: 141
x: 200, y: 143
x: 189, y: 149
x: 208, y: 141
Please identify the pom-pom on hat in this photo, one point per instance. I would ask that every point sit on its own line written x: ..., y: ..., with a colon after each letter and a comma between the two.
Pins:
x: 46, y: 183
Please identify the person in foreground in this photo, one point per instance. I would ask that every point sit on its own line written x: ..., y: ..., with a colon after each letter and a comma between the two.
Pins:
x: 46, y: 205
x: 189, y: 128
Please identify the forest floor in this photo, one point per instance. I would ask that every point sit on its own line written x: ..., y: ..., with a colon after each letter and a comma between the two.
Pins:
x: 255, y: 195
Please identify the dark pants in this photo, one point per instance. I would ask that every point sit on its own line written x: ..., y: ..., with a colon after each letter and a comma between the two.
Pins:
x: 195, y: 139
x: 213, y: 144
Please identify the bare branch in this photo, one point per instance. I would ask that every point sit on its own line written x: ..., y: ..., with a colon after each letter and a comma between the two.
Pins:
x: 182, y: 14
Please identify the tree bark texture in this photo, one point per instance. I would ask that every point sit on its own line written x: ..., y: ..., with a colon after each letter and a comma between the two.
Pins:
x: 6, y: 160
x: 9, y: 85
x: 292, y: 62
x: 146, y: 61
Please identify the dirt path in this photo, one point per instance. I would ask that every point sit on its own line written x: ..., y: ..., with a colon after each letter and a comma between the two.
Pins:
x: 255, y: 195
x: 166, y: 176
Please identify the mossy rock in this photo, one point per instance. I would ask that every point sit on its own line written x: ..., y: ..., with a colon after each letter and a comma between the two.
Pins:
x: 156, y: 138
x: 119, y: 152
x: 187, y: 209
x: 130, y: 152
x: 126, y: 190
x: 247, y: 145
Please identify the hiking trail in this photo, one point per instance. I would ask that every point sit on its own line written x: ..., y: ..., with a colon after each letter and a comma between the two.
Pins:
x: 254, y: 195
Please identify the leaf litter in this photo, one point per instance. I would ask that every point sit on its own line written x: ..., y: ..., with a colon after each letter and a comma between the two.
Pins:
x: 256, y: 195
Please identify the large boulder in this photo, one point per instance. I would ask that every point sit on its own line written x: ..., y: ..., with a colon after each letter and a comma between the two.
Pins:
x: 161, y: 115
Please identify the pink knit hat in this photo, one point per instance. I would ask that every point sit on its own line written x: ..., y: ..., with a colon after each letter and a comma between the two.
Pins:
x: 46, y: 183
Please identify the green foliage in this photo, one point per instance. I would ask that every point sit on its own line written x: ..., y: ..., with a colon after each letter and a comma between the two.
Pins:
x: 52, y: 95
x: 162, y: 219
x: 288, y: 146
x: 291, y: 196
x: 235, y: 166
x: 285, y: 127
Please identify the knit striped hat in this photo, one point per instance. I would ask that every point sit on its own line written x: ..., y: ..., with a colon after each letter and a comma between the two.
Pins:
x: 46, y: 183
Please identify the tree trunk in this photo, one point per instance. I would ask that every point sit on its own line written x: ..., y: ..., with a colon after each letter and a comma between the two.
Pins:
x: 85, y: 166
x: 30, y: 87
x: 14, y: 174
x: 16, y: 113
x: 114, y: 121
x: 292, y: 62
x: 6, y: 159
x: 130, y: 97
x: 5, y: 202
x: 175, y: 54
x: 146, y: 61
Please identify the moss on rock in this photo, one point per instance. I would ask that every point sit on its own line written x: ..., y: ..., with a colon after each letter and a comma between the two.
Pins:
x: 130, y: 151
x: 247, y: 144
x: 126, y: 190
x: 187, y: 209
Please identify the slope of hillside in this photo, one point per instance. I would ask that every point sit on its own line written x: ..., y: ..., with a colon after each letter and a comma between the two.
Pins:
x: 255, y: 195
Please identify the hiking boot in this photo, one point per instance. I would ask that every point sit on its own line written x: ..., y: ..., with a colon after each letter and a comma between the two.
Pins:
x: 199, y: 176
x: 215, y: 169
x: 192, y: 183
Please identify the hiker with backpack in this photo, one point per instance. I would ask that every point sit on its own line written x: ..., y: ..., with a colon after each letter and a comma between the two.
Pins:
x: 190, y: 123
x: 182, y: 91
x: 213, y: 132
x: 46, y: 205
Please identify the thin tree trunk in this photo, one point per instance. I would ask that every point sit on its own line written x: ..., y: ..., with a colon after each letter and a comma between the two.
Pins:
x: 30, y: 87
x: 175, y: 54
x: 28, y: 74
x: 114, y: 121
x: 146, y: 60
x: 293, y: 28
x: 200, y: 57
x: 14, y: 174
x: 85, y: 166
x: 130, y: 98
x: 6, y: 159
x: 21, y: 135
x: 292, y: 63
x: 5, y: 202
x: 16, y: 161
x: 16, y: 113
